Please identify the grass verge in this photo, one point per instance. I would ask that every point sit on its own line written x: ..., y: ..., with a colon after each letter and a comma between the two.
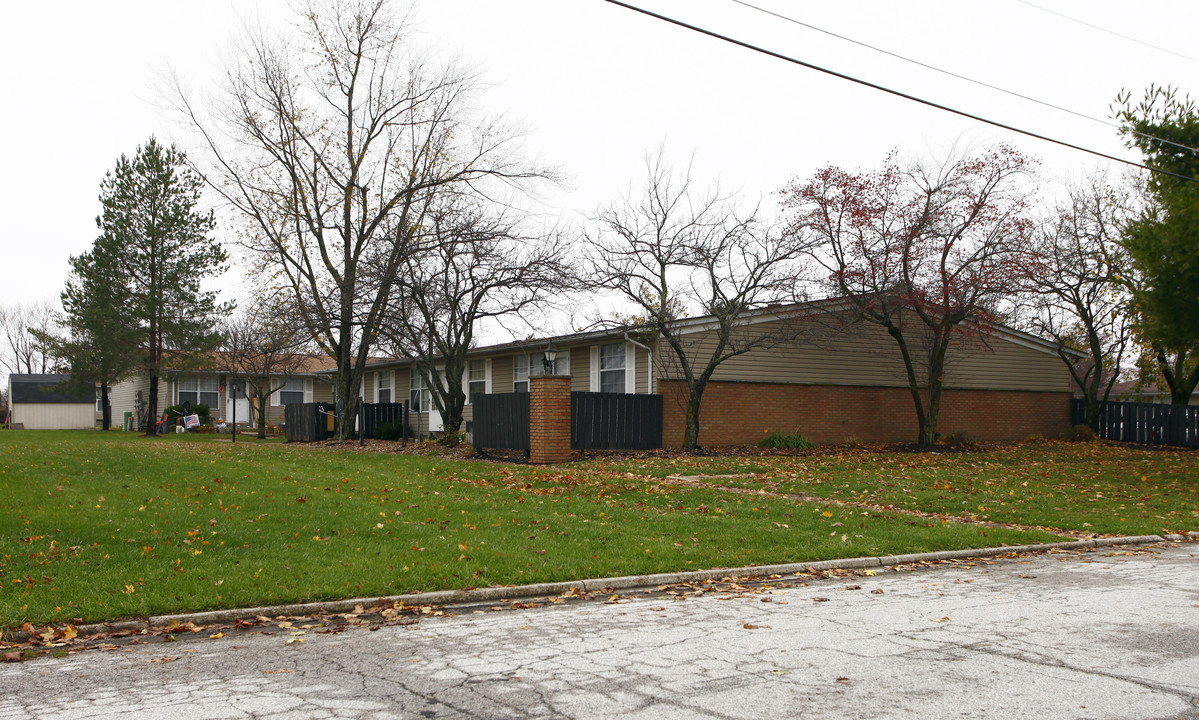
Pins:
x: 97, y: 526
x: 1097, y: 487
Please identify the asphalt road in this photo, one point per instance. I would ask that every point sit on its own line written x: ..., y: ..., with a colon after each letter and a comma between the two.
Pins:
x: 1107, y: 634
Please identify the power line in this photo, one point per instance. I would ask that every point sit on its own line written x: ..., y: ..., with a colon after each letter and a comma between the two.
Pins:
x: 959, y: 76
x: 1109, y: 32
x: 897, y: 93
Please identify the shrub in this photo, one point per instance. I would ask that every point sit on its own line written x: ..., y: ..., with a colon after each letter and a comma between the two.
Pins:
x: 783, y: 441
x: 391, y: 431
x: 1080, y: 433
x: 175, y: 412
x: 956, y: 439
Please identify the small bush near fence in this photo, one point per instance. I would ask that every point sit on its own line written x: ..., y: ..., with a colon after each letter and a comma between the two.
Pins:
x: 783, y: 441
x: 1080, y: 433
x: 391, y: 431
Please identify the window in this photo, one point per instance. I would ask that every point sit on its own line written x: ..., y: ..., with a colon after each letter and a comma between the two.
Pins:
x: 202, y: 389
x: 611, y: 368
x: 383, y: 386
x: 520, y: 372
x: 99, y: 401
x: 291, y: 391
x: 418, y: 392
x: 476, y: 374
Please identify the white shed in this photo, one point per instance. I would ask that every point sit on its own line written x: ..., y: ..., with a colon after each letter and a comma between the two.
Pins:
x: 43, y: 402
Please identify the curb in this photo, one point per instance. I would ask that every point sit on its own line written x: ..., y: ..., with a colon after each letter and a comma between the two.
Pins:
x: 492, y: 594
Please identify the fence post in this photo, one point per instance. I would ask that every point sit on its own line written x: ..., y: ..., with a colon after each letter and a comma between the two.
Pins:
x: 549, y: 419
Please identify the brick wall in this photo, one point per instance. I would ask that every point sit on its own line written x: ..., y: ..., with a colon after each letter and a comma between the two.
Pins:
x: 549, y: 419
x: 741, y: 413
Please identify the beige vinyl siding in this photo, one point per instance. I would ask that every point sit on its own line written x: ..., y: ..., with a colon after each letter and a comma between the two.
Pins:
x: 123, y: 396
x: 580, y: 369
x: 1004, y: 365
x: 642, y: 358
x: 863, y: 354
x: 55, y: 416
x: 501, y: 374
x: 322, y: 391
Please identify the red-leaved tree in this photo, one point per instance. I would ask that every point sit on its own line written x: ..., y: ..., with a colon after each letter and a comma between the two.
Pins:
x: 927, y: 251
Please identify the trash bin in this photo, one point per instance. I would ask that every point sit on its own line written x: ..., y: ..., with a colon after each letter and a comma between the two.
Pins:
x: 127, y: 421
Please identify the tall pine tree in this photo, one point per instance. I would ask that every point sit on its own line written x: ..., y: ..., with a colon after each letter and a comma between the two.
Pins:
x: 1164, y: 241
x: 154, y: 248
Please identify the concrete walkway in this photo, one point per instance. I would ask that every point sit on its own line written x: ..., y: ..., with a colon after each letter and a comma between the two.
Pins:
x: 1112, y: 633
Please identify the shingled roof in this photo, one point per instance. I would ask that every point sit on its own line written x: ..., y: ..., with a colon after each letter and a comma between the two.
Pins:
x: 50, y: 389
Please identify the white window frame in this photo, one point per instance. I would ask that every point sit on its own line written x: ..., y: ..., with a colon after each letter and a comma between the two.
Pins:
x: 192, y: 384
x: 279, y: 385
x: 484, y: 367
x: 630, y: 367
x: 416, y: 384
x: 527, y: 359
x: 382, y: 377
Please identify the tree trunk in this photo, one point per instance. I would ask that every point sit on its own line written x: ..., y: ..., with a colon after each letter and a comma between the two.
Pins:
x: 105, y: 408
x: 261, y: 414
x: 695, y: 397
x: 152, y: 407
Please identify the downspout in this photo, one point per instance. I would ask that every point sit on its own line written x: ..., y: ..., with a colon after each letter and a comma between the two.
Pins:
x: 647, y: 349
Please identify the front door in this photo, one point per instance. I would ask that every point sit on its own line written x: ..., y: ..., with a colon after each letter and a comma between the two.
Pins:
x: 239, y: 406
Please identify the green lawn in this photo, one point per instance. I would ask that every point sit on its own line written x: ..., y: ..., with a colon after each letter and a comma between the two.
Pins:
x: 1094, y: 487
x: 98, y: 526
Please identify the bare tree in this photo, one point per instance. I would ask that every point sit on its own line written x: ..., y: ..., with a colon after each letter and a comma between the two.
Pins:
x: 332, y: 144
x: 1074, y: 293
x: 22, y: 350
x: 472, y: 265
x: 673, y: 250
x: 262, y: 345
x: 928, y: 252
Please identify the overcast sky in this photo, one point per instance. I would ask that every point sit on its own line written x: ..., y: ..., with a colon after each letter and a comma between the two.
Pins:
x: 598, y: 86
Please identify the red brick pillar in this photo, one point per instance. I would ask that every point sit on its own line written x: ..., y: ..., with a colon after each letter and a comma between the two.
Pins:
x: 549, y: 419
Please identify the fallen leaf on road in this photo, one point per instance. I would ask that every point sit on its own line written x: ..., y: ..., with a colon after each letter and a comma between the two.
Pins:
x: 216, y: 636
x: 10, y: 657
x: 853, y: 587
x: 876, y: 591
x: 944, y: 619
x: 165, y: 659
x: 289, y: 641
x: 747, y: 626
x: 276, y: 672
x: 842, y: 679
x: 819, y: 599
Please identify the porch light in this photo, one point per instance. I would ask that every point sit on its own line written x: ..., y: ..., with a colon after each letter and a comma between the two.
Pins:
x: 551, y: 353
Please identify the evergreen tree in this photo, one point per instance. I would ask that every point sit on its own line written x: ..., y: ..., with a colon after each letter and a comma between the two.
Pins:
x: 1164, y: 241
x: 153, y: 252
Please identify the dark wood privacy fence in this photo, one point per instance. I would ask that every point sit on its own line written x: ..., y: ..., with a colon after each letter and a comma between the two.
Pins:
x: 1144, y: 422
x: 307, y: 422
x: 615, y: 421
x: 312, y: 422
x: 501, y: 420
x: 376, y: 414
